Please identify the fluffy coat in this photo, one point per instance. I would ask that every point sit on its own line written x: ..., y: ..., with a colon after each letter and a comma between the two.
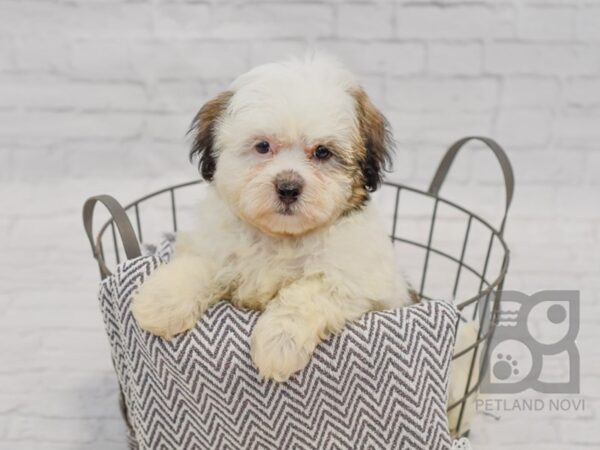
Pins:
x: 291, y: 151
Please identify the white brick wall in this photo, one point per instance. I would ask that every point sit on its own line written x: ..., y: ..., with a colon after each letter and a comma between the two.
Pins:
x: 96, y: 96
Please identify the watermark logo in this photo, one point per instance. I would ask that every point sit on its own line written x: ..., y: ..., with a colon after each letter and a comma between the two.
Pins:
x: 534, y: 344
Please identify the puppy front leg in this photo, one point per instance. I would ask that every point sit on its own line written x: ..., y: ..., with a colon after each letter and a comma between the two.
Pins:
x: 174, y: 297
x: 295, y: 322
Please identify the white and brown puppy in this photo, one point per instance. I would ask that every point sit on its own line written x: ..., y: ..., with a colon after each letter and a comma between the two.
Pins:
x: 291, y: 152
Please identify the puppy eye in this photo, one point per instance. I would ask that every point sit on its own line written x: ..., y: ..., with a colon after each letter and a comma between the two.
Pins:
x: 262, y: 147
x: 322, y: 153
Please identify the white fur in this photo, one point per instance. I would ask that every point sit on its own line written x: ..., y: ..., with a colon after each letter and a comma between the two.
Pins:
x: 295, y: 105
x: 310, y: 271
x: 308, y: 286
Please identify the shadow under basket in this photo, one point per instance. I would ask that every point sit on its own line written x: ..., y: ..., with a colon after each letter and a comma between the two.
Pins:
x: 452, y: 253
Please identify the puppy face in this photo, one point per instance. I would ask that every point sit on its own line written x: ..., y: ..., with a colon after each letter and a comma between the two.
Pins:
x: 292, y: 146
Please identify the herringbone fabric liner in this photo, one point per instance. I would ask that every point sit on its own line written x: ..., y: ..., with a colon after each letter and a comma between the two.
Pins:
x: 380, y: 384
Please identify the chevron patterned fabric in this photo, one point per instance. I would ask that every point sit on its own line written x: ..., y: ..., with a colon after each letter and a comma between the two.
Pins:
x: 380, y: 384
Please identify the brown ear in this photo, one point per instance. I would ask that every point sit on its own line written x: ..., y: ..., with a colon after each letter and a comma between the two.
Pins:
x: 203, y: 126
x: 376, y: 138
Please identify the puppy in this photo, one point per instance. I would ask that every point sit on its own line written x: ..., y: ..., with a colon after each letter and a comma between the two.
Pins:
x: 291, y: 152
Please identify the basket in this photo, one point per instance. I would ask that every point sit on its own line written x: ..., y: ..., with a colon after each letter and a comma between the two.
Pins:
x: 472, y: 275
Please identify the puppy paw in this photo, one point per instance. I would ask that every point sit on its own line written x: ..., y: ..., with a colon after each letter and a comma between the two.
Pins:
x: 279, y: 351
x: 163, y: 309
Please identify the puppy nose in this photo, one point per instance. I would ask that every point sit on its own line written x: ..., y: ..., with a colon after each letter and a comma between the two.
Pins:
x: 288, y: 191
x: 288, y: 186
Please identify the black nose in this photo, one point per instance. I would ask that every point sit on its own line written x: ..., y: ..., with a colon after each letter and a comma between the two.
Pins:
x: 288, y: 191
x: 288, y: 186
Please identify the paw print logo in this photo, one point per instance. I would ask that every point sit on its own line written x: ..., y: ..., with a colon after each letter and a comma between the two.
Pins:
x: 533, y: 331
x: 505, y: 367
x: 511, y: 362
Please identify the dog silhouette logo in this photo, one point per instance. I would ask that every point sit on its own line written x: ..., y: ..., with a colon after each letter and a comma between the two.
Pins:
x: 534, y: 345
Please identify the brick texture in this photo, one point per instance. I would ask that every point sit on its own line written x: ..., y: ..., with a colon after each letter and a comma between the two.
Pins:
x: 97, y: 97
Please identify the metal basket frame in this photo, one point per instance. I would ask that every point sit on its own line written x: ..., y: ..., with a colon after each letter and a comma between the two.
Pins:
x: 489, y: 293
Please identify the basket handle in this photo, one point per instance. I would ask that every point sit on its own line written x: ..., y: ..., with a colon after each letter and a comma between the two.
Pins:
x: 119, y: 217
x: 448, y: 159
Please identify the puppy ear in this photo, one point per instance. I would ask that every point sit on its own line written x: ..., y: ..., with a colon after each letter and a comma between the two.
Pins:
x: 203, y: 126
x: 376, y: 139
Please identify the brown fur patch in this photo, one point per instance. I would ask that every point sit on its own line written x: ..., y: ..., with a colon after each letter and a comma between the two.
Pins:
x: 414, y: 295
x: 374, y: 148
x: 203, y: 126
x: 360, y: 195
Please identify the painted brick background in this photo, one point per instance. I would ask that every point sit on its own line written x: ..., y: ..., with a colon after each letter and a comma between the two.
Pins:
x: 96, y: 97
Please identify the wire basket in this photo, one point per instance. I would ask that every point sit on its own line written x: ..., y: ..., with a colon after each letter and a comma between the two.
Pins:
x: 471, y: 274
